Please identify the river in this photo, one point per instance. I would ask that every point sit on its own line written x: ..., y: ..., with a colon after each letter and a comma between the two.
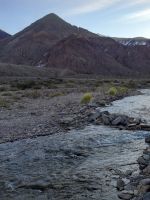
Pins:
x: 80, y: 164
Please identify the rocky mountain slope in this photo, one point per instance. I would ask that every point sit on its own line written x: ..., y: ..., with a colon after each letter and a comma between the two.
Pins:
x: 3, y: 34
x: 54, y: 43
x: 83, y: 57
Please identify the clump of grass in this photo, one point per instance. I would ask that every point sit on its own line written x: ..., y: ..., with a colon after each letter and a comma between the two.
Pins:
x: 4, y: 102
x: 14, y: 89
x: 16, y: 97
x: 70, y: 81
x: 70, y: 85
x: 7, y: 94
x: 3, y: 88
x: 51, y: 86
x: 33, y: 95
x: 102, y: 103
x: 21, y: 106
x: 87, y: 98
x: 112, y: 91
x: 56, y: 94
x: 23, y: 86
x: 37, y: 87
x: 125, y: 89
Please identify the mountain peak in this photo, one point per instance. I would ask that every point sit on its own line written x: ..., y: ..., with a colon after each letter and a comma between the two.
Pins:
x: 3, y: 34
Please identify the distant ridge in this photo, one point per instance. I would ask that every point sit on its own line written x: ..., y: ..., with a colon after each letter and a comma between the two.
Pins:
x: 133, y: 41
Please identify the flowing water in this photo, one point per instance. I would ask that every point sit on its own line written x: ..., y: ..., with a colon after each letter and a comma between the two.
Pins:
x: 83, y: 164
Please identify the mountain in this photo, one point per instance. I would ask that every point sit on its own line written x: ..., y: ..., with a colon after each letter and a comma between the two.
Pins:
x: 35, y: 40
x: 3, y: 34
x: 133, y: 41
x: 51, y: 42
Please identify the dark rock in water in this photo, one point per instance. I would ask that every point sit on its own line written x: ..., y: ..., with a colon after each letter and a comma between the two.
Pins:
x: 147, y: 196
x: 118, y: 121
x: 125, y: 196
x: 147, y: 139
x: 129, y: 172
x: 145, y: 189
x: 104, y: 113
x: 145, y: 125
x: 141, y: 167
x: 147, y: 169
x: 145, y: 182
x: 141, y: 161
x: 138, y: 121
x: 134, y: 183
x: 94, y: 116
x: 130, y: 187
x: 120, y: 184
x: 106, y: 120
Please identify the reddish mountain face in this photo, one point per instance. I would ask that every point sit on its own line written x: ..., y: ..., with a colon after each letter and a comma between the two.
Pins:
x: 136, y: 58
x: 83, y: 57
x: 3, y: 34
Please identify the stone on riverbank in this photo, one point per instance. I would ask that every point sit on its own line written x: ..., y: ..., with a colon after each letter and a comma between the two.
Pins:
x: 147, y: 139
x: 125, y: 196
x: 118, y: 121
x: 147, y: 196
x: 105, y: 119
x: 147, y: 170
x: 141, y: 161
x: 120, y: 184
x: 145, y: 182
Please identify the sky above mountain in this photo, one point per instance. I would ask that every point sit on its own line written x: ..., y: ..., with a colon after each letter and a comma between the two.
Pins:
x: 115, y: 18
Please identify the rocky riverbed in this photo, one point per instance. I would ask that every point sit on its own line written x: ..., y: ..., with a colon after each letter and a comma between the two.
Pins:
x: 60, y: 149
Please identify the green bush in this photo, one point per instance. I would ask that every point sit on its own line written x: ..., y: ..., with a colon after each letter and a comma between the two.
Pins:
x: 112, y: 91
x: 86, y: 98
x: 125, y: 89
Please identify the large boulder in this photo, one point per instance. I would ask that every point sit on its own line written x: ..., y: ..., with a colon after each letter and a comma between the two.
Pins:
x: 141, y: 161
x: 104, y: 113
x: 147, y: 196
x: 118, y: 121
x: 106, y: 119
x: 120, y: 184
x: 125, y: 196
x: 94, y: 116
x: 147, y: 139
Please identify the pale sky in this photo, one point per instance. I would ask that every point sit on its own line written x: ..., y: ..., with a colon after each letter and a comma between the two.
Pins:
x: 115, y: 18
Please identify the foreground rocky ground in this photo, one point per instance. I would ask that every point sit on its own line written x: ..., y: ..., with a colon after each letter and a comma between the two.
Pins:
x: 32, y: 113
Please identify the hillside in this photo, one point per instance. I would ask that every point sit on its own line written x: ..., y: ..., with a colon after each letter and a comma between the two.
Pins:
x: 30, y: 71
x: 83, y: 57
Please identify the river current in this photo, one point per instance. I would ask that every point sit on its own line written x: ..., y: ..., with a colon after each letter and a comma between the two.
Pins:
x: 80, y: 164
